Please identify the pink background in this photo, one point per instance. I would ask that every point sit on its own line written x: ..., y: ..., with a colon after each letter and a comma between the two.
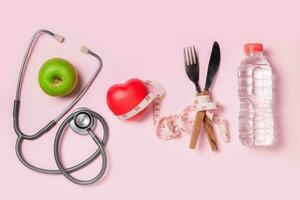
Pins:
x: 145, y: 40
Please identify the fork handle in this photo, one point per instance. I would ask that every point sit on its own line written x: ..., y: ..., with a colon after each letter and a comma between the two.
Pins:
x: 196, y: 128
x: 197, y: 124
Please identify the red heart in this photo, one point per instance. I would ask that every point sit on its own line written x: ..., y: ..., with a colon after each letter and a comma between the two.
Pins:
x: 122, y: 98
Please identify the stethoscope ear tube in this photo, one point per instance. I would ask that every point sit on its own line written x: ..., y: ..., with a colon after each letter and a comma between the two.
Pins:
x: 20, y: 81
x: 45, y: 129
x: 100, y: 144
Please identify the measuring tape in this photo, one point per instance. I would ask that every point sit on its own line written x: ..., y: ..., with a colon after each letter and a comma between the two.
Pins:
x: 172, y: 126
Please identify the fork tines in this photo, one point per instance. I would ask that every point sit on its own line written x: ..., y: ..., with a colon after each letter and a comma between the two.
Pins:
x: 192, y: 66
x: 190, y: 56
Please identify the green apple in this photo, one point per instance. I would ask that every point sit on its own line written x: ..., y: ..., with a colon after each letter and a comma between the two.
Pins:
x: 57, y: 77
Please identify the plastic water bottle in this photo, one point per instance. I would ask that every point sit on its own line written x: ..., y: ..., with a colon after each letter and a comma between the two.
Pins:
x: 256, y: 122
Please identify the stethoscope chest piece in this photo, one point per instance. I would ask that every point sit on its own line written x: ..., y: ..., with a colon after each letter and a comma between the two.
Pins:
x: 83, y: 121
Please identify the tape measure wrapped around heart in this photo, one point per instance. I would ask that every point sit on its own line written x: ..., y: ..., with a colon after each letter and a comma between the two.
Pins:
x: 131, y: 100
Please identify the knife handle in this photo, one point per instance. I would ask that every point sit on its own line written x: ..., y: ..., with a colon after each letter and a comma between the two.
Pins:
x: 208, y: 126
x: 196, y: 128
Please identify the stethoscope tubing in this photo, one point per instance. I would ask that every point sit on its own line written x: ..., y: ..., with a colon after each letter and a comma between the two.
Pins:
x: 100, y: 144
x: 18, y: 148
x: 67, y: 171
x: 20, y: 139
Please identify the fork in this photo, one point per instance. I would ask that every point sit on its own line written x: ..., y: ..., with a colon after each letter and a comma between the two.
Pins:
x: 192, y: 70
x: 191, y: 65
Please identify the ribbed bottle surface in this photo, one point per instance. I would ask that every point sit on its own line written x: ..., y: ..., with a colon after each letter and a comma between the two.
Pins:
x: 256, y: 123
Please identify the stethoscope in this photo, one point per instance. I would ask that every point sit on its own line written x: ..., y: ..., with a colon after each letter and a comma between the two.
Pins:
x: 82, y: 121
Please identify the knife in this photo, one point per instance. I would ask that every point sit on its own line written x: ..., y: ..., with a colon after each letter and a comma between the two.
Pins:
x: 213, y: 67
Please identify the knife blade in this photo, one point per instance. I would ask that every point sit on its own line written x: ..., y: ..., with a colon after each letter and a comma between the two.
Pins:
x: 213, y: 65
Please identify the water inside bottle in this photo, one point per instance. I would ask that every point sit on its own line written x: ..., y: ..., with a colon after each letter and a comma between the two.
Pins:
x: 256, y: 123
